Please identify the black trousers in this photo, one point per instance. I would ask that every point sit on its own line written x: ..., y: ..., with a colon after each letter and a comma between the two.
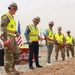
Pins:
x: 1, y: 57
x: 33, y: 49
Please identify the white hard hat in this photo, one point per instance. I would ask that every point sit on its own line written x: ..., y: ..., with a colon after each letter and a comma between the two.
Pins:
x: 68, y: 31
x: 37, y: 19
x: 13, y: 5
x: 51, y: 23
x: 59, y: 28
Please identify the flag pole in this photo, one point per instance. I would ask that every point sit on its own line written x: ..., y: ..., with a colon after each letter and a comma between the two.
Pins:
x: 41, y: 37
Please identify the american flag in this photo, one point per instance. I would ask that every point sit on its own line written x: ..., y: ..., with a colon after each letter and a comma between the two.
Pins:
x: 19, y: 38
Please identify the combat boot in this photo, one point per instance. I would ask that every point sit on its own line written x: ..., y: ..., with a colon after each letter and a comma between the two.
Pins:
x: 15, y: 71
x: 8, y: 72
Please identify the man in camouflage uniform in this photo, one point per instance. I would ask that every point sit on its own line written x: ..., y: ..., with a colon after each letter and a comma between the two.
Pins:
x: 8, y: 30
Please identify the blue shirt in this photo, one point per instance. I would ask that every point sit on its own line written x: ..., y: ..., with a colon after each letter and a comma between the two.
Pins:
x: 27, y: 32
x: 46, y: 32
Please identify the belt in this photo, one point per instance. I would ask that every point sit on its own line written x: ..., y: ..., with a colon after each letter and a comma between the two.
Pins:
x: 10, y: 31
x: 35, y: 41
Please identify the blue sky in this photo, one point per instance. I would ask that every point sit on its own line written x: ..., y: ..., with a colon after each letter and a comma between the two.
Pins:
x: 62, y: 12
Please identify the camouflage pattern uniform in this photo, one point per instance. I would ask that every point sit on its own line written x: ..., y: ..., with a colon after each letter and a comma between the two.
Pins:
x: 10, y: 57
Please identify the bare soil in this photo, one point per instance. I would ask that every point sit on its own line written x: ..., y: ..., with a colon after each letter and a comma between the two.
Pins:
x: 66, y: 67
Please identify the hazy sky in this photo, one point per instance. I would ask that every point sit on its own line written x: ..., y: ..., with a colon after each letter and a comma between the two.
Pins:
x: 62, y: 12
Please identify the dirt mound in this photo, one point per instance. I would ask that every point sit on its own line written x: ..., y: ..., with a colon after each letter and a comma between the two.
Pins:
x: 66, y: 67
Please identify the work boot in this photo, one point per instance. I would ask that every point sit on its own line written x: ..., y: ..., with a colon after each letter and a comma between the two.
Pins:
x: 8, y: 72
x: 56, y: 59
x: 12, y: 69
x: 63, y: 59
x: 15, y: 71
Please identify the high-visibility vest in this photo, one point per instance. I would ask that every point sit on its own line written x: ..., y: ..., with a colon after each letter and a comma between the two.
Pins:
x: 69, y: 40
x: 11, y: 27
x: 33, y: 34
x: 50, y: 35
x: 59, y: 38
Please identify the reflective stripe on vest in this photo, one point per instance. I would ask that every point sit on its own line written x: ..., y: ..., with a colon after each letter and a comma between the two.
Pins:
x: 11, y: 27
x: 69, y: 40
x: 59, y: 38
x: 50, y: 35
x: 33, y: 34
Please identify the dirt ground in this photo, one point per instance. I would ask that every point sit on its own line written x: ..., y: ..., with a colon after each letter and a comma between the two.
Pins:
x: 66, y: 67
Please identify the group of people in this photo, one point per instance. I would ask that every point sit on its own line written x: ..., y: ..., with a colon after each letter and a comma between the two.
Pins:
x: 8, y: 31
x: 11, y: 49
x: 61, y: 42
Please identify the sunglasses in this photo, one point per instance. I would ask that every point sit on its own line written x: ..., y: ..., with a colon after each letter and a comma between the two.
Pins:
x: 68, y: 32
x: 36, y: 21
x: 14, y: 8
x: 50, y: 25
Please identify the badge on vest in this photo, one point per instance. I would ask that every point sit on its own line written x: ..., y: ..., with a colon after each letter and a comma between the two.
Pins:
x: 12, y: 26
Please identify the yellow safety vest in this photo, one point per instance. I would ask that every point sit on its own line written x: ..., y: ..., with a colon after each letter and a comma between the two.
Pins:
x: 33, y: 34
x: 69, y: 40
x: 50, y: 35
x: 59, y: 38
x: 11, y: 27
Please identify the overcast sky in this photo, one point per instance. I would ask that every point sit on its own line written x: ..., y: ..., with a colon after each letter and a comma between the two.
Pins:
x: 62, y: 12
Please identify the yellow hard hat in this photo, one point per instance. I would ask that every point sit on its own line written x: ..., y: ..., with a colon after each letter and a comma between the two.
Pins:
x: 13, y: 5
x: 37, y: 19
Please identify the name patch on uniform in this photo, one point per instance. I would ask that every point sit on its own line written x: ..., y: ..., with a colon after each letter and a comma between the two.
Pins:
x: 12, y: 26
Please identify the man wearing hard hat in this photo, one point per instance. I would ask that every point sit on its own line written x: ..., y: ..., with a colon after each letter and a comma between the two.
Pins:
x: 59, y: 44
x: 69, y: 44
x: 49, y: 35
x: 32, y: 37
x: 8, y: 30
